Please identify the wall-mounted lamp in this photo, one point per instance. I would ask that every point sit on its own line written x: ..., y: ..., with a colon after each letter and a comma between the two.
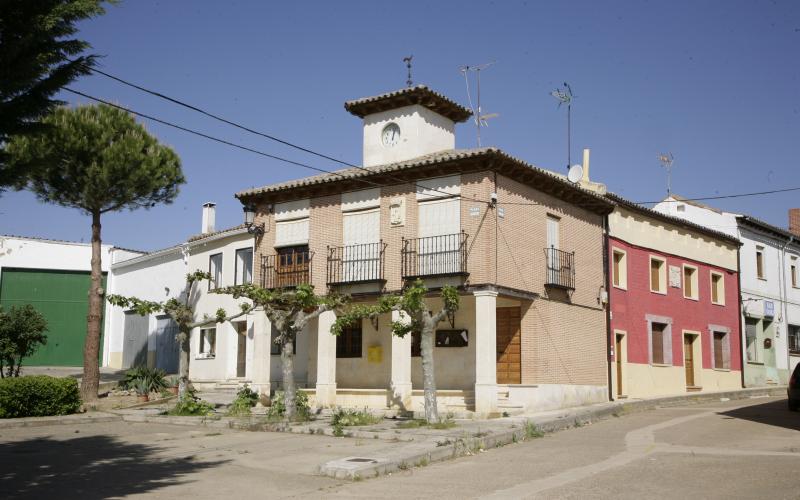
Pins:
x: 249, y: 221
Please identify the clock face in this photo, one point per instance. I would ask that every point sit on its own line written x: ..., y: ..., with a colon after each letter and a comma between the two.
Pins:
x: 390, y: 135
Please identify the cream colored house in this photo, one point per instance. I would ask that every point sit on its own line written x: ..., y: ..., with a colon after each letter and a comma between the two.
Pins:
x: 523, y: 245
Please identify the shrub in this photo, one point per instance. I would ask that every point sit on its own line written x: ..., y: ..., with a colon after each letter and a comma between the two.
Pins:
x: 38, y: 396
x: 277, y: 409
x: 348, y: 417
x: 192, y: 406
x: 21, y: 334
x: 141, y: 377
x: 246, y: 398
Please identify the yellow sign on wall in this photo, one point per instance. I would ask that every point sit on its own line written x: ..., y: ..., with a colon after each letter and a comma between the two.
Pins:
x: 375, y: 354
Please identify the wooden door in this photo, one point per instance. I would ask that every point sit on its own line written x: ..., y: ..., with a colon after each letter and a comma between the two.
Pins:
x: 509, y: 366
x: 618, y: 357
x: 241, y: 352
x: 688, y: 359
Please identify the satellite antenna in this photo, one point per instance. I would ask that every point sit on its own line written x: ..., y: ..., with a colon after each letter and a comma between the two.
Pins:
x: 575, y: 173
x: 666, y: 160
x: 481, y: 120
x: 407, y: 60
x: 564, y: 96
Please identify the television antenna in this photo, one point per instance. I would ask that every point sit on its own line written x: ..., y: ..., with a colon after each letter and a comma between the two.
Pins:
x: 407, y: 60
x: 666, y: 160
x: 481, y: 120
x: 564, y: 96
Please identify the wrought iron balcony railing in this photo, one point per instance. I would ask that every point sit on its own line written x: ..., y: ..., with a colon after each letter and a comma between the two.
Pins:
x: 560, y: 268
x: 356, y: 263
x: 444, y: 255
x: 286, y: 269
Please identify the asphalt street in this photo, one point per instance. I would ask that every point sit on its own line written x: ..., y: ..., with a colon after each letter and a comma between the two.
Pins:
x: 734, y: 449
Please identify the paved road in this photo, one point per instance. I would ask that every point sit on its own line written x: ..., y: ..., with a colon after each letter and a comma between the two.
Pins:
x: 740, y: 449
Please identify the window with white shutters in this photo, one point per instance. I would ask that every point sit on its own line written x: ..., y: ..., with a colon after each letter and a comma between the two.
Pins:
x: 439, y: 244
x: 361, y: 255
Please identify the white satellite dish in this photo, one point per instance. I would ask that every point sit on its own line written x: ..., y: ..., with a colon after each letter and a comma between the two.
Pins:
x: 575, y: 173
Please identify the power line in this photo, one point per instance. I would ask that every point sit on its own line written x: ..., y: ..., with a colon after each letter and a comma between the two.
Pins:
x: 240, y: 126
x: 252, y: 150
x: 722, y: 197
x: 219, y: 118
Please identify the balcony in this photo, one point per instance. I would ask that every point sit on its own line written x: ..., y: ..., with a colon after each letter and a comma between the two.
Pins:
x: 560, y: 269
x: 287, y: 268
x: 355, y: 264
x: 433, y: 256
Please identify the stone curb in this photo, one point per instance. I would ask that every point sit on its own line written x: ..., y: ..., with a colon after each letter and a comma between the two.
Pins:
x: 531, y: 428
x: 415, y: 453
x: 81, y: 418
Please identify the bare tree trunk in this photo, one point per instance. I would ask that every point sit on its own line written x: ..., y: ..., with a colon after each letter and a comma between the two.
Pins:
x: 428, y: 380
x: 289, y: 389
x: 183, y: 360
x: 91, y: 349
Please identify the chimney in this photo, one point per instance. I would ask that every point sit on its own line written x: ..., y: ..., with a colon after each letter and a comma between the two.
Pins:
x: 209, y: 216
x: 585, y: 165
x: 794, y: 221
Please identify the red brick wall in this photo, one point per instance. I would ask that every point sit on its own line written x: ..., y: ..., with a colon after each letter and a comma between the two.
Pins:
x: 630, y: 306
x: 794, y: 220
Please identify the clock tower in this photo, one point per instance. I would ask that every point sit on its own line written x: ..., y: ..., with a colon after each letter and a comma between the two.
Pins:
x: 406, y: 124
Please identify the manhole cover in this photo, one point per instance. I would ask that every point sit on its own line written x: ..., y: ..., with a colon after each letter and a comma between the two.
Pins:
x: 362, y: 460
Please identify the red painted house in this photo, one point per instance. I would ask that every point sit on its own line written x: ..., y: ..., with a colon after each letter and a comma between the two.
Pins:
x: 674, y: 305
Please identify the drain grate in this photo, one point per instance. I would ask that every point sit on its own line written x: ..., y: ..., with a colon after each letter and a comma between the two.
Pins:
x: 360, y: 460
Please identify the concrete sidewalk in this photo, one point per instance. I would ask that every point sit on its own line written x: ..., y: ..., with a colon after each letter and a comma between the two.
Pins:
x: 403, y: 448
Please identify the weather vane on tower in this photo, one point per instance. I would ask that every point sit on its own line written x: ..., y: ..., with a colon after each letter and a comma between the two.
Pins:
x: 407, y: 60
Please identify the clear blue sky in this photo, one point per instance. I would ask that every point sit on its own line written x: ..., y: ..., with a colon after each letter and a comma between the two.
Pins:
x: 716, y: 83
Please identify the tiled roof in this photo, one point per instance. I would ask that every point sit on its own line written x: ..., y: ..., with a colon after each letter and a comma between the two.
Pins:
x: 420, y: 94
x: 433, y: 159
x: 753, y: 221
x: 221, y: 232
x: 672, y: 219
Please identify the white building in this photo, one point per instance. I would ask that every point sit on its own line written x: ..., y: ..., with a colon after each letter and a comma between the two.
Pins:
x: 770, y: 302
x: 54, y: 277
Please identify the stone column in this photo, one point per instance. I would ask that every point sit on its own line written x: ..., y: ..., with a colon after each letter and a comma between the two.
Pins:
x: 262, y: 343
x: 400, y: 383
x: 485, y: 352
x: 326, y: 360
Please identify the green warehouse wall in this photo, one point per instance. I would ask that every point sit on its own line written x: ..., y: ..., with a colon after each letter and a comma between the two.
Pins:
x: 62, y: 297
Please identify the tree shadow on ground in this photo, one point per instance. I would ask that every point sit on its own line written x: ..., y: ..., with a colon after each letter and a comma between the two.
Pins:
x: 89, y: 468
x: 772, y: 413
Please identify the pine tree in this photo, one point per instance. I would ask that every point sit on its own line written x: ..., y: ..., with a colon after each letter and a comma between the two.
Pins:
x: 96, y: 159
x: 38, y: 58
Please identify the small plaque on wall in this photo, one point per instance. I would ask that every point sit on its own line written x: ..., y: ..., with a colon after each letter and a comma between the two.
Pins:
x: 452, y: 338
x: 674, y: 276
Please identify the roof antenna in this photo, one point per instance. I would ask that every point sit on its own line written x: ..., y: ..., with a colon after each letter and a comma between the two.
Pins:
x: 564, y: 96
x: 407, y: 60
x: 480, y: 119
x: 666, y: 160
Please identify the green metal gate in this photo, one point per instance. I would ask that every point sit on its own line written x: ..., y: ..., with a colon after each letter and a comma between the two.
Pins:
x: 62, y: 297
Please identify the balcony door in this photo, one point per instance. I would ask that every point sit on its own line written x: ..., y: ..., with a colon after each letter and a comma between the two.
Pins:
x: 361, y: 255
x: 439, y: 245
x: 291, y: 268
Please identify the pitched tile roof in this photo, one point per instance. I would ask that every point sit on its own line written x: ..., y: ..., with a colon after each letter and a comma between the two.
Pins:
x: 369, y: 175
x: 420, y: 94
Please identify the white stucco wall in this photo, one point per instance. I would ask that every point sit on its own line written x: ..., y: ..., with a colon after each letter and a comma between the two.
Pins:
x: 223, y: 365
x: 421, y: 132
x: 156, y: 277
x: 32, y: 253
x: 775, y: 286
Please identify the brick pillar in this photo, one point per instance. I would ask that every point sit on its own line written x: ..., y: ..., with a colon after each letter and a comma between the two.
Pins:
x: 400, y: 384
x: 262, y: 344
x: 485, y: 352
x: 794, y: 220
x: 326, y: 360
